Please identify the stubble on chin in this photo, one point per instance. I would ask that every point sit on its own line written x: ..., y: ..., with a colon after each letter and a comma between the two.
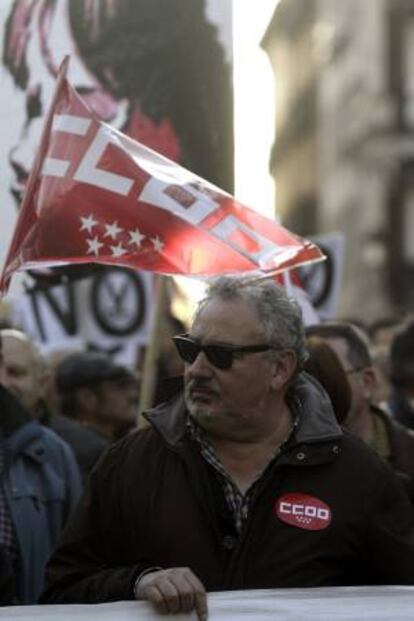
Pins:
x: 202, y: 408
x: 193, y: 405
x: 211, y: 420
x: 197, y: 410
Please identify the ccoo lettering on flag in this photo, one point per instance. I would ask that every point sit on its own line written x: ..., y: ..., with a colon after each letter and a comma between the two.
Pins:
x: 95, y: 195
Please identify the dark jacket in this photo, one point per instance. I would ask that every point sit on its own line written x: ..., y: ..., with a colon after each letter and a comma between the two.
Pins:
x: 8, y: 595
x: 401, y: 448
x: 41, y: 484
x: 401, y: 442
x: 154, y: 501
x: 400, y: 408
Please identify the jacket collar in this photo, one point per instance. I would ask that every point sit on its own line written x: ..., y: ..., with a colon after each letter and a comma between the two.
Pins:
x: 317, y: 422
x: 317, y: 419
x: 169, y: 419
x: 27, y: 440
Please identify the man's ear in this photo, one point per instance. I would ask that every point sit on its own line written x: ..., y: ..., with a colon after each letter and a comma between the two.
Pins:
x: 369, y: 380
x: 284, y: 366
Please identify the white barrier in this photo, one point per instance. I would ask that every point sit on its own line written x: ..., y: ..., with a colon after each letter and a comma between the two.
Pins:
x: 389, y: 603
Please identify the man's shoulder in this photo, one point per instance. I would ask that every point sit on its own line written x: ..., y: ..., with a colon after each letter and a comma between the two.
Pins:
x: 360, y: 455
x: 394, y: 427
x: 135, y: 442
x: 53, y: 441
x: 139, y: 451
x: 73, y: 432
x: 40, y: 446
x: 401, y: 441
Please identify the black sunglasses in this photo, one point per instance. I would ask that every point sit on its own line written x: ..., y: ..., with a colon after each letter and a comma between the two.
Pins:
x: 220, y: 356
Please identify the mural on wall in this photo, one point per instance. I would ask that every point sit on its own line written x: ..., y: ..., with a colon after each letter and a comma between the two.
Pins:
x: 155, y: 69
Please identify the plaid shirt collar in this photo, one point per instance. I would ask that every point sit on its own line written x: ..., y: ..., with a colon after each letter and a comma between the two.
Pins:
x: 238, y: 502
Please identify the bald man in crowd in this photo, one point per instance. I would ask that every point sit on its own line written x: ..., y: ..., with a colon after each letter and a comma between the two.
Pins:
x: 26, y: 376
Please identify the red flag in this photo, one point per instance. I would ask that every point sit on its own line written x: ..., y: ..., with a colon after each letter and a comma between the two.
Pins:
x: 95, y: 195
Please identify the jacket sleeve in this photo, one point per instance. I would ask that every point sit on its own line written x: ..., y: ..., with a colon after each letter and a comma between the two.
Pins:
x: 391, y: 533
x: 82, y: 568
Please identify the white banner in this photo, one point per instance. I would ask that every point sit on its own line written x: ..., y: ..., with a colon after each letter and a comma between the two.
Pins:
x: 109, y: 312
x: 388, y: 603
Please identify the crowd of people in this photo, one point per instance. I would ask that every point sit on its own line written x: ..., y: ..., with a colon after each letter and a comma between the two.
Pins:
x: 278, y: 455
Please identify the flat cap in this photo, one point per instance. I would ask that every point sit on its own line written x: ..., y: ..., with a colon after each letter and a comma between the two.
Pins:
x: 87, y: 368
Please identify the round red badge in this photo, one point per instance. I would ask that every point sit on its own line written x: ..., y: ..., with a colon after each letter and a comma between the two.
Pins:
x: 303, y: 511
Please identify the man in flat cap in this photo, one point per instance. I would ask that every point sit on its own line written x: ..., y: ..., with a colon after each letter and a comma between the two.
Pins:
x: 100, y: 395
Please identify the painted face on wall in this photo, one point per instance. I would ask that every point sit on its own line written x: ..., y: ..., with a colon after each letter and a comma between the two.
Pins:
x: 38, y: 37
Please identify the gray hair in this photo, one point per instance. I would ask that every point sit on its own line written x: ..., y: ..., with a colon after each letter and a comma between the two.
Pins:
x: 280, y: 315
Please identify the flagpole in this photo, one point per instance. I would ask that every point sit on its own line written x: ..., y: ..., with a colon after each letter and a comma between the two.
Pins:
x: 149, y: 373
x: 287, y: 281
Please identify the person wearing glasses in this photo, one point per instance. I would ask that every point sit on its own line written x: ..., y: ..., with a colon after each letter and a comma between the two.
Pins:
x: 385, y: 435
x: 243, y: 481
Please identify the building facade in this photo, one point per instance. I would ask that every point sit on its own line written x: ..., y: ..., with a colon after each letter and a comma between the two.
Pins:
x: 343, y: 158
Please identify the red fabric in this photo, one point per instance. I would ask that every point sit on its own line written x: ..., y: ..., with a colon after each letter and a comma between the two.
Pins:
x: 165, y: 219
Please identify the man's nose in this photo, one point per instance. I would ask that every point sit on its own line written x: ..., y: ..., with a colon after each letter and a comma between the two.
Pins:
x: 201, y: 366
x: 22, y: 154
x: 34, y: 105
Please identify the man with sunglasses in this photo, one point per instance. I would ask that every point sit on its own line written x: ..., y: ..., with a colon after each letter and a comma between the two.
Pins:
x: 244, y: 481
